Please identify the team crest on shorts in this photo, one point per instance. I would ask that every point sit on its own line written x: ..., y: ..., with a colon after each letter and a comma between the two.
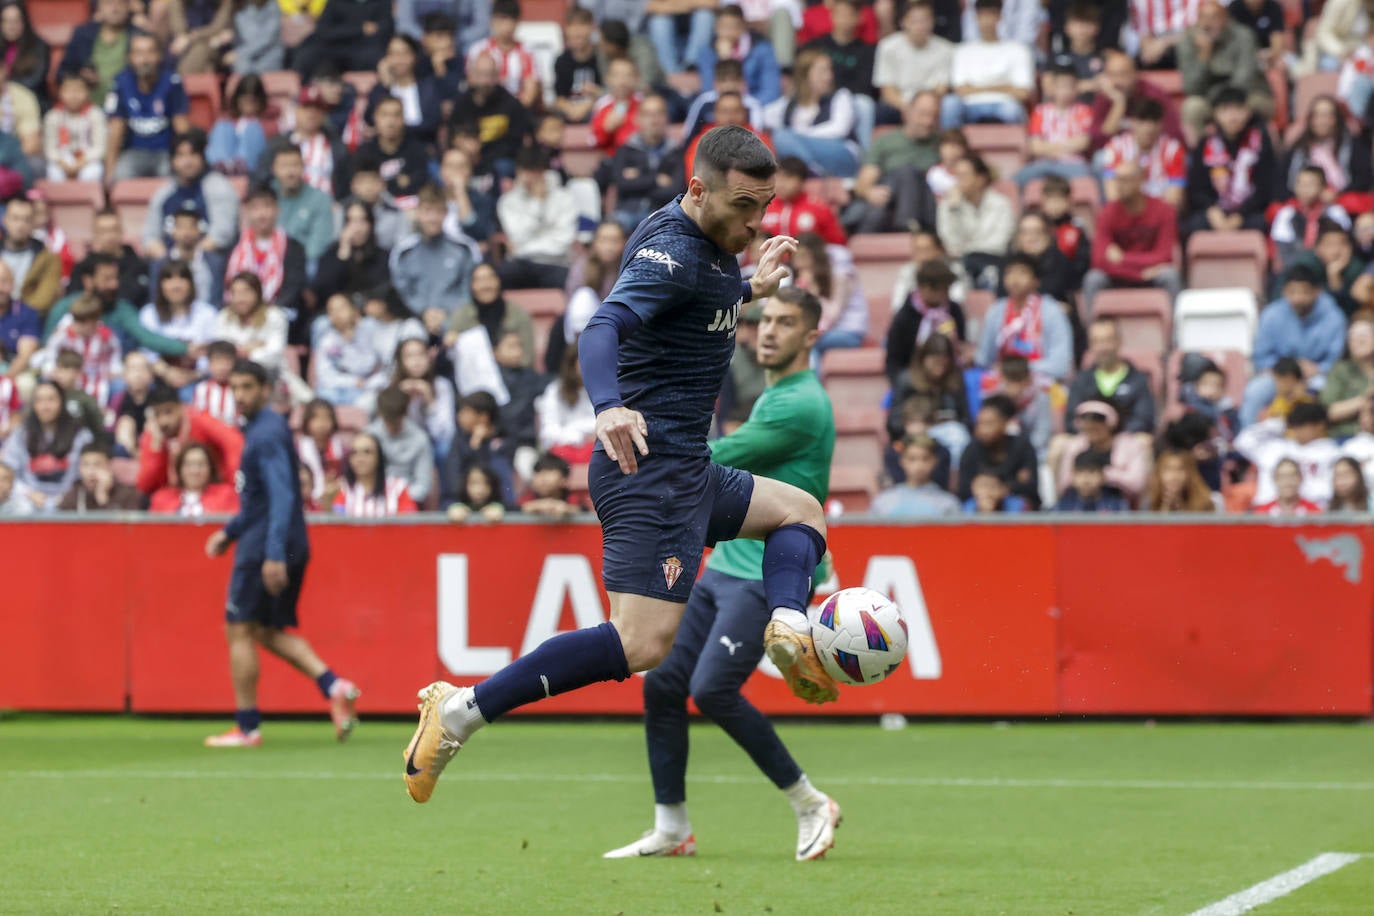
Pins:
x: 672, y: 569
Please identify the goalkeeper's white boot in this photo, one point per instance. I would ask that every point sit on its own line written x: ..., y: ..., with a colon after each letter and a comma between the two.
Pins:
x: 655, y: 843
x: 816, y: 829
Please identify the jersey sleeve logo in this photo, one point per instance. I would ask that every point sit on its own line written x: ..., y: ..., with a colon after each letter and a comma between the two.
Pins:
x: 658, y: 257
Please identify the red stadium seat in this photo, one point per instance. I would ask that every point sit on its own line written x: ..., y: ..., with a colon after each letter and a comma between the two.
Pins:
x: 352, y: 419
x: 878, y: 277
x: 578, y: 487
x: 47, y: 14
x: 1308, y: 88
x: 361, y: 80
x: 885, y: 246
x: 853, y: 487
x: 860, y: 434
x: 580, y: 155
x: 879, y: 316
x: 1222, y: 259
x: 130, y: 199
x: 203, y: 91
x: 1145, y: 316
x: 1235, y: 365
x: 1170, y: 81
x: 546, y: 307
x: 125, y: 471
x: 544, y: 10
x: 854, y: 377
x: 1002, y: 146
x: 73, y: 205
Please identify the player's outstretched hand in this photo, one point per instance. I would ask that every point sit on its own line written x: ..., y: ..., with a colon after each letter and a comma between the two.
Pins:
x: 621, y: 432
x: 771, y: 269
x: 217, y: 544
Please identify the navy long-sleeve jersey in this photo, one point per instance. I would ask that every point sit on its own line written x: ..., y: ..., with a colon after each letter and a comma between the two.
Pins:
x: 271, y: 520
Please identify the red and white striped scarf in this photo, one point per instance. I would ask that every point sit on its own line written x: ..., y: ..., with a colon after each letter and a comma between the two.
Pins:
x: 355, y: 501
x: 1021, y: 333
x: 215, y: 399
x: 514, y: 65
x: 1163, y: 17
x: 100, y: 355
x: 319, y: 163
x: 268, y: 265
x: 1055, y: 125
x: 1233, y: 176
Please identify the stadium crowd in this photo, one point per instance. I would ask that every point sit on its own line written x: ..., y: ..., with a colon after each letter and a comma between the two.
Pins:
x: 408, y: 211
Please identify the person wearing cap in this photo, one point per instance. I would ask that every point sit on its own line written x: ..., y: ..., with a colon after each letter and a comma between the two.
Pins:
x: 1304, y: 323
x: 1301, y: 438
x: 1125, y: 459
x: 794, y: 212
x: 1090, y: 492
x: 209, y: 193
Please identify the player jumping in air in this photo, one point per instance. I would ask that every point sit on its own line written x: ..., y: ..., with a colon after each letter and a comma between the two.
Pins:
x: 269, y: 565
x: 653, y: 359
x: 790, y: 436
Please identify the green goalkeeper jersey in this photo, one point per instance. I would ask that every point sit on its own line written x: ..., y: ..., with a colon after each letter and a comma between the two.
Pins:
x: 789, y: 436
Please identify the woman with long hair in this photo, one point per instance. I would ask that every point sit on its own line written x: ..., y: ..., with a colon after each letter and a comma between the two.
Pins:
x: 1328, y: 143
x: 176, y: 311
x: 367, y: 491
x: 238, y: 139
x: 1348, y: 382
x: 321, y: 449
x: 199, y: 490
x: 1177, y: 486
x: 355, y: 265
x: 567, y: 420
x: 590, y: 280
x: 43, y: 451
x: 1349, y: 492
x: 934, y: 371
x: 479, y: 494
x: 24, y: 54
x: 818, y: 123
x: 398, y: 77
x: 828, y: 272
x: 251, y: 324
x: 432, y: 399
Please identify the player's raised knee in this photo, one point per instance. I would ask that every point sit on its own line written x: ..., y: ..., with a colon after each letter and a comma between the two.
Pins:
x: 809, y: 512
x: 645, y: 650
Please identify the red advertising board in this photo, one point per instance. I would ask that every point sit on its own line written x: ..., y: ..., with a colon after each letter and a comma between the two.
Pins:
x: 1021, y: 619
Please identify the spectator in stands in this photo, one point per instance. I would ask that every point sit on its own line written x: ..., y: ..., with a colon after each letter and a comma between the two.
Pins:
x: 21, y: 327
x: 1027, y: 323
x: 615, y: 114
x: 351, y: 35
x: 934, y: 372
x: 306, y: 214
x: 1161, y: 26
x: 1034, y: 415
x: 21, y: 118
x: 177, y: 311
x: 401, y: 158
x: 1265, y: 21
x: 1350, y: 382
x: 432, y: 399
x: 95, y: 489
x: 1341, y: 28
x: 209, y: 194
x: 1361, y: 446
x: 196, y: 29
x: 1177, y: 486
x: 1163, y: 161
x: 990, y: 79
x: 989, y: 493
x: 252, y: 323
x: 257, y: 38
x: 919, y: 496
x: 199, y: 491
x: 139, y: 144
x: 540, y: 221
x: 66, y: 372
x: 37, y: 272
x: 727, y: 77
x: 525, y: 386
x: 1125, y: 459
x: 1086, y: 30
x: 976, y: 222
x: 53, y: 236
x: 681, y: 31
x: 733, y: 40
x: 265, y: 251
x: 339, y: 100
x: 388, y: 223
x: 817, y: 123
x: 100, y: 48
x: 1301, y: 438
x: 817, y: 20
x: 892, y: 191
x: 1019, y: 22
x: 1119, y: 89
x: 132, y: 411
x: 577, y: 71
x: 398, y: 77
x: 1112, y: 380
x: 503, y: 121
x: 517, y: 69
x: 549, y: 496
x: 1349, y: 492
x: 1288, y: 501
x: 567, y: 422
x: 392, y: 320
x: 1306, y: 324
x: 409, y: 453
x: 82, y: 331
x: 489, y: 310
x: 369, y: 491
x: 349, y: 370
x: 793, y: 211
x: 187, y: 237
x: 917, y: 416
x: 1035, y: 238
x: 927, y: 310
x: 102, y: 280
x: 355, y: 265
x: 851, y: 57
x: 1216, y: 54
x: 1327, y: 143
x: 74, y: 132
x: 1060, y: 131
x: 1011, y: 457
x: 828, y: 271
x: 1333, y: 259
x: 238, y: 139
x: 1135, y: 242
x: 1290, y: 388
x: 321, y: 449
x: 471, y: 211
x: 27, y: 55
x: 926, y: 247
x: 1205, y: 394
x: 1355, y: 85
x: 212, y: 394
x: 173, y: 428
x: 467, y: 23
x: 728, y: 110
x: 1088, y: 491
x: 1233, y: 174
x: 1297, y: 224
x: 646, y: 171
x: 479, y: 497
x: 324, y: 154
x: 430, y: 269
x: 478, y: 441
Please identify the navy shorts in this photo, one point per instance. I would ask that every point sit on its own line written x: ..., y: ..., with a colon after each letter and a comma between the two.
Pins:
x: 249, y: 601
x: 656, y: 522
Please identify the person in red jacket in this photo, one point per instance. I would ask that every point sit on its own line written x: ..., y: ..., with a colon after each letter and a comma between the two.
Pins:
x: 175, y: 426
x: 817, y: 23
x: 615, y: 116
x: 1135, y: 242
x: 794, y: 212
x: 200, y: 491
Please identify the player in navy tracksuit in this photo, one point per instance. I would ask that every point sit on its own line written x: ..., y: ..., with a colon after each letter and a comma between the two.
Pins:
x: 269, y: 564
x: 653, y: 359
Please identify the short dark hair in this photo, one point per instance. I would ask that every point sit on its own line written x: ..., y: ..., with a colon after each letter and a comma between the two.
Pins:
x: 935, y: 274
x: 994, y: 5
x: 733, y: 10
x: 69, y: 359
x: 794, y: 167
x: 96, y: 448
x: 1014, y: 368
x: 481, y: 401
x: 507, y: 8
x: 285, y: 149
x: 253, y: 370
x: 808, y: 303
x: 1230, y: 95
x: 438, y: 22
x: 1145, y: 108
x: 221, y: 348
x: 1062, y: 70
x: 921, y: 441
x: 615, y: 32
x: 1328, y: 226
x: 1287, y: 367
x: 579, y: 15
x: 727, y: 68
x: 733, y: 149
x: 162, y: 393
x: 1313, y: 170
x: 392, y: 403
x: 194, y: 137
x: 1001, y: 404
x: 979, y: 165
x: 1021, y: 259
x: 1302, y: 273
x: 1089, y: 461
x: 97, y: 259
x: 531, y: 159
x: 260, y: 192
x: 551, y: 462
x: 431, y: 194
x: 1055, y: 186
x: 1307, y: 413
x: 1084, y: 12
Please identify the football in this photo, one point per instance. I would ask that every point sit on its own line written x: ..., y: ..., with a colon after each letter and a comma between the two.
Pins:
x: 859, y: 635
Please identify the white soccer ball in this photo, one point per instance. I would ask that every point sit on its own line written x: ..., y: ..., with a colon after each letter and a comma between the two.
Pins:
x: 859, y: 635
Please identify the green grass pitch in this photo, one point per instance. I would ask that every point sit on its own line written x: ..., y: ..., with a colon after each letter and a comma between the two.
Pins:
x: 126, y: 815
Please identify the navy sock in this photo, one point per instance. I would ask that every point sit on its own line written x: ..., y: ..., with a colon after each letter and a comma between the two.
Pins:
x: 325, y: 681
x: 248, y: 720
x: 565, y: 662
x: 790, y: 556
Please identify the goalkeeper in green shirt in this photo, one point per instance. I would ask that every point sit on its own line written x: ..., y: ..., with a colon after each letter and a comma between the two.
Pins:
x: 789, y: 436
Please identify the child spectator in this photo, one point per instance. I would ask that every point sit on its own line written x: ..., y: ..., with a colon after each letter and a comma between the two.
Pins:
x: 1010, y: 458
x: 1163, y: 160
x: 1080, y: 46
x: 925, y: 311
x: 917, y: 416
x: 132, y: 412
x: 567, y: 422
x: 16, y: 500
x: 1125, y: 458
x: 1233, y: 173
x: 1288, y: 501
x: 393, y: 323
x: 431, y: 395
x: 430, y: 269
x: 549, y: 495
x: 82, y: 331
x: 368, y: 491
x: 1027, y: 324
x: 952, y: 147
x: 515, y: 64
x: 934, y: 371
x: 95, y: 489
x: 1290, y: 389
x: 238, y: 140
x: 1207, y: 396
x: 1059, y: 279
x: 615, y: 114
x: 438, y: 41
x: 1296, y: 224
x: 1177, y: 486
x: 199, y: 491
x: 1303, y: 439
x: 1088, y: 492
x: 793, y: 211
x: 74, y: 133
x: 212, y: 394
x: 478, y: 441
x: 1070, y: 234
x: 479, y: 495
x: 1343, y: 276
x: 1035, y: 416
x: 348, y: 368
x: 989, y: 494
x: 43, y: 451
x: 321, y: 450
x: 1349, y: 492
x: 577, y: 71
x: 409, y: 453
x: 919, y: 496
x: 1060, y: 131
x: 66, y: 372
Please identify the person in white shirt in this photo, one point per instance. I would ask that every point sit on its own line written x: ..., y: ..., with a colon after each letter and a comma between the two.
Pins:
x: 990, y: 79
x: 1302, y: 438
x: 1018, y: 23
x: 540, y: 221
x: 818, y: 123
x: 914, y: 59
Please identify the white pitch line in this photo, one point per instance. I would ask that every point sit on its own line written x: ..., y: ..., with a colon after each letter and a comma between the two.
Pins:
x: 912, y: 781
x: 1279, y: 885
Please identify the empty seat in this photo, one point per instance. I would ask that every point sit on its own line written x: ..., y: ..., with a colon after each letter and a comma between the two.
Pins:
x: 1308, y: 88
x: 878, y: 277
x: 540, y: 303
x: 884, y: 246
x: 1216, y: 319
x: 130, y: 199
x: 851, y: 489
x: 352, y: 419
x: 1228, y: 259
x: 879, y: 317
x: 1001, y: 146
x: 1145, y: 316
x: 203, y: 91
x: 361, y: 80
x: 976, y: 304
x: 73, y: 205
x: 860, y: 435
x: 854, y: 377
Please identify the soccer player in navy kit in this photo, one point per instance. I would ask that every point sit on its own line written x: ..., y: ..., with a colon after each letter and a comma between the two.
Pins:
x: 653, y: 359
x: 269, y: 565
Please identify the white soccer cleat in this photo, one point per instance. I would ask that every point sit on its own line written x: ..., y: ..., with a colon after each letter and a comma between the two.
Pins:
x: 654, y: 843
x: 816, y: 829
